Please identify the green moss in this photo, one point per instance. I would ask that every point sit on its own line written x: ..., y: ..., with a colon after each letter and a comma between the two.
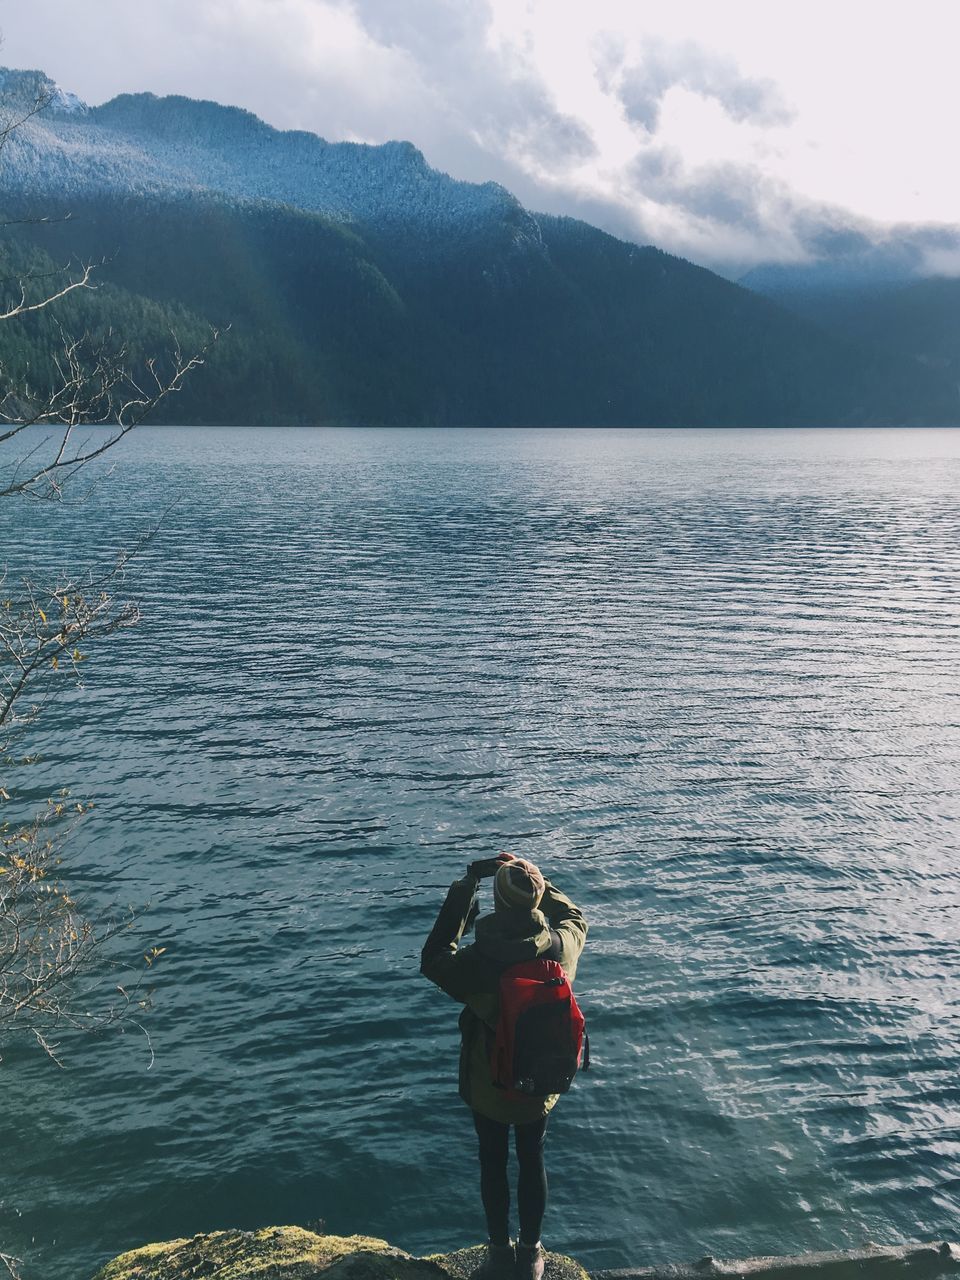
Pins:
x: 275, y: 1253
x: 463, y: 1263
x: 138, y: 1258
x: 291, y: 1253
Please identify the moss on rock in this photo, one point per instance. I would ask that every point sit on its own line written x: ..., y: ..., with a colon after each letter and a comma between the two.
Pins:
x: 464, y: 1262
x: 291, y: 1253
x: 275, y: 1253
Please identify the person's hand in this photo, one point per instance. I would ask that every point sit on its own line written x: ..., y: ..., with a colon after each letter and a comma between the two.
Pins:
x: 485, y: 867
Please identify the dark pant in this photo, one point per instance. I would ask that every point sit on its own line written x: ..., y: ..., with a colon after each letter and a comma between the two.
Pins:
x: 531, y: 1184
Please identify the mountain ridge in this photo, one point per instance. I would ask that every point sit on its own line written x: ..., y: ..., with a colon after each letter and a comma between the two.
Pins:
x: 391, y: 292
x: 174, y: 146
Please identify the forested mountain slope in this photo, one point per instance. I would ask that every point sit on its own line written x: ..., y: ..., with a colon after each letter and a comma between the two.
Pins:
x: 916, y: 320
x: 361, y: 286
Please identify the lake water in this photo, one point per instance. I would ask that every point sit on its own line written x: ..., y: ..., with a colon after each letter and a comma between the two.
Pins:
x: 709, y: 681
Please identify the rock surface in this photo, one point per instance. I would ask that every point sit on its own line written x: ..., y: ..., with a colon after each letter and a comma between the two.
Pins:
x: 292, y: 1253
x: 872, y: 1262
x: 464, y: 1263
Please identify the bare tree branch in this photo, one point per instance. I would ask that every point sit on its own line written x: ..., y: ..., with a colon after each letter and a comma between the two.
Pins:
x: 39, y: 220
x: 40, y: 630
x: 95, y: 387
x: 49, y: 946
x: 23, y: 307
x: 9, y: 127
x: 12, y: 1265
x: 53, y: 954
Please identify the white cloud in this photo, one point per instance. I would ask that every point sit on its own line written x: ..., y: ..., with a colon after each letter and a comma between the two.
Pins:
x: 642, y: 86
x: 942, y: 262
x: 728, y: 132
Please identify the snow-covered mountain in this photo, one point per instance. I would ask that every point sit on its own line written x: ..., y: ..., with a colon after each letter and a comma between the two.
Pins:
x: 141, y: 144
x: 28, y: 89
x: 359, y: 285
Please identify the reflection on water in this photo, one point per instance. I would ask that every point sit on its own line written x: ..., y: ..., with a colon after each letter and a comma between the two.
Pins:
x: 708, y: 680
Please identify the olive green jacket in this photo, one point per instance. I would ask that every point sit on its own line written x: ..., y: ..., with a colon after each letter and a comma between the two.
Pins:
x: 471, y: 974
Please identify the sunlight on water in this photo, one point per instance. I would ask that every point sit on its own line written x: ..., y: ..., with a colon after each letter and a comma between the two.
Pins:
x: 708, y: 680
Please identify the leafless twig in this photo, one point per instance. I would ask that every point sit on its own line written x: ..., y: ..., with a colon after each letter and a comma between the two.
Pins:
x: 12, y: 1265
x: 95, y: 387
x: 48, y: 944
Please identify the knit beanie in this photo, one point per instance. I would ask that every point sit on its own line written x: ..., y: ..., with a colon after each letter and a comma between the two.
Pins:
x: 518, y: 884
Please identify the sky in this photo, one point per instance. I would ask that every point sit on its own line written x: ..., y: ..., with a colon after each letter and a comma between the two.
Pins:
x: 733, y: 132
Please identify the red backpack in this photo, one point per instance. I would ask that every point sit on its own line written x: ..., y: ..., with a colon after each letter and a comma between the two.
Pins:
x: 540, y: 1034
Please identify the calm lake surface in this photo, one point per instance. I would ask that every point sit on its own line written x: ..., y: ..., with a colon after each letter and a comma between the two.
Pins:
x: 709, y: 681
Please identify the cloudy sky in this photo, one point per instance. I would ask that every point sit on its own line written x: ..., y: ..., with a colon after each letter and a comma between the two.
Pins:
x: 731, y: 131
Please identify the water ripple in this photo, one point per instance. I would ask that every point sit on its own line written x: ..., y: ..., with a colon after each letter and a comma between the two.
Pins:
x: 708, y: 679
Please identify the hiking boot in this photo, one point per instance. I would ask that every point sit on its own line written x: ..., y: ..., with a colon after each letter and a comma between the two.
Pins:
x: 530, y: 1261
x: 498, y: 1263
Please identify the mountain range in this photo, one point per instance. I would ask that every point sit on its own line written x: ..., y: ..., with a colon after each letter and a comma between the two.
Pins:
x: 358, y: 285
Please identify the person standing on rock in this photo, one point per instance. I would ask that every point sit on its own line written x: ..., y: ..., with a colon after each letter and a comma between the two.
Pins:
x: 532, y: 920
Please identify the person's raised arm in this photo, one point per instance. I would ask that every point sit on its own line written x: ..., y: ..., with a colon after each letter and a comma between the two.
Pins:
x: 438, y: 959
x: 567, y: 921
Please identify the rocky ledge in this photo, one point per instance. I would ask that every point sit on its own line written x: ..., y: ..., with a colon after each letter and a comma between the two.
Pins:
x: 292, y: 1253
